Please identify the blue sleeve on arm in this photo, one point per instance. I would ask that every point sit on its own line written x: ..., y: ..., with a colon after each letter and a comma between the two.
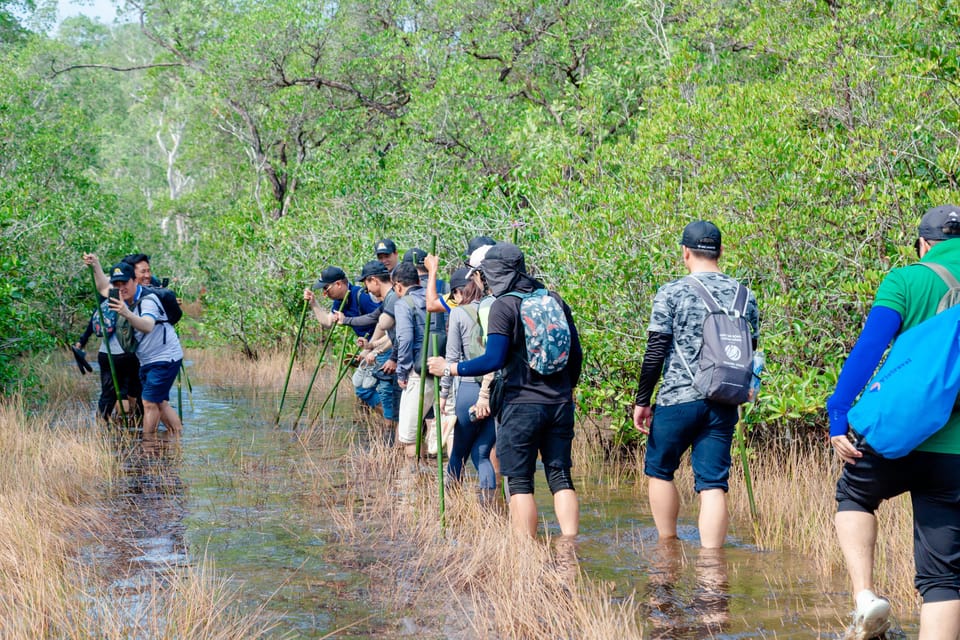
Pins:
x: 880, y: 328
x: 492, y: 359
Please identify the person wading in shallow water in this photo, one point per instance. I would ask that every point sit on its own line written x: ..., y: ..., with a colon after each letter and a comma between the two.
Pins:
x: 158, y: 346
x: 906, y: 297
x: 538, y: 413
x: 685, y: 418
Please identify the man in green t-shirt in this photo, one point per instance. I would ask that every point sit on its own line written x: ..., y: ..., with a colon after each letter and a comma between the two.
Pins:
x: 906, y: 297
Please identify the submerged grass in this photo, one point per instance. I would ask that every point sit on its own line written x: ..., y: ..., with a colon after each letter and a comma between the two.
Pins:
x: 474, y: 578
x: 54, y: 472
x: 795, y: 484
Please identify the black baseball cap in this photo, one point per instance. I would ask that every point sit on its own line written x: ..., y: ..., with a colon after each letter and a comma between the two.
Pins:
x: 121, y: 272
x: 373, y: 268
x: 479, y: 241
x: 460, y: 278
x: 415, y: 255
x: 330, y: 275
x: 701, y: 235
x: 940, y: 223
x: 386, y: 245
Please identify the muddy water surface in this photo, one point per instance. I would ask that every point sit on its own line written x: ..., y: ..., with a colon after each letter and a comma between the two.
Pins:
x: 230, y: 491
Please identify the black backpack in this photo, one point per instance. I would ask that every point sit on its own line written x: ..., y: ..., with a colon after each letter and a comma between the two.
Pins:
x: 168, y: 299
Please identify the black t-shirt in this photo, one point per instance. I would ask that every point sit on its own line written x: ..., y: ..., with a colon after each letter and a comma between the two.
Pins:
x: 523, y: 384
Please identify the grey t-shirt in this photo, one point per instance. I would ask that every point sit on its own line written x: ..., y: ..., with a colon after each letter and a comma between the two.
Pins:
x: 678, y: 310
x: 389, y: 308
x: 162, y: 344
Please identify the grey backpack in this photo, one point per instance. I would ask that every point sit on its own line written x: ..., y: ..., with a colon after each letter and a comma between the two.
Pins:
x: 726, y: 358
x: 952, y: 296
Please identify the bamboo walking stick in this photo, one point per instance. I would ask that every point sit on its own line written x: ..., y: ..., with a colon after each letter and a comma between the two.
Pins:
x: 113, y: 369
x: 340, y: 373
x: 438, y: 421
x: 316, y: 369
x: 423, y: 366
x: 293, y: 355
x: 179, y: 395
x: 186, y: 378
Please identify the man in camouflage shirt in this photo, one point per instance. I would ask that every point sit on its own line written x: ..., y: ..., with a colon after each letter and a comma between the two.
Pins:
x: 683, y: 417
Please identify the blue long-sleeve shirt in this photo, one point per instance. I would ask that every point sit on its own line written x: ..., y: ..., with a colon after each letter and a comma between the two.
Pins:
x: 879, y: 330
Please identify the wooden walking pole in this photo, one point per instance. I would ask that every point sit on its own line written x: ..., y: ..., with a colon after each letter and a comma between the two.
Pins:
x: 293, y: 355
x: 113, y: 369
x: 423, y: 365
x: 438, y: 420
x: 316, y: 369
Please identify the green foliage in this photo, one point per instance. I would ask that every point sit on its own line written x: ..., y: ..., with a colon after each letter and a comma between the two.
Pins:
x: 272, y: 139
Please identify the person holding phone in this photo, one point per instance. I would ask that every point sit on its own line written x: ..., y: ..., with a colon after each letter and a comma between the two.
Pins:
x: 126, y: 365
x: 158, y: 348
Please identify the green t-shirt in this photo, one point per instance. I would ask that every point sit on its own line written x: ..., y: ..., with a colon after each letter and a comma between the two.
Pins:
x: 914, y: 292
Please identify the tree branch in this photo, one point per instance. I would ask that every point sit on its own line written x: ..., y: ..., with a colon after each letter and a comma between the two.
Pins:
x: 108, y: 67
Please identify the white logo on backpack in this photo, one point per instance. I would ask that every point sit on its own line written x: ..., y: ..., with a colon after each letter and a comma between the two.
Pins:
x: 725, y: 368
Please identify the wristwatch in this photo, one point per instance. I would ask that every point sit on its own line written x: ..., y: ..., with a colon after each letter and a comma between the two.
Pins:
x: 446, y: 371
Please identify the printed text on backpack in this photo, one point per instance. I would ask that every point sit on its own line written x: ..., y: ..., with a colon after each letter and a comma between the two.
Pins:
x: 725, y: 368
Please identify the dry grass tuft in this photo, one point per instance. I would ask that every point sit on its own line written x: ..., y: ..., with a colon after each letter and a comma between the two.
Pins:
x: 795, y: 484
x: 473, y: 576
x: 52, y: 475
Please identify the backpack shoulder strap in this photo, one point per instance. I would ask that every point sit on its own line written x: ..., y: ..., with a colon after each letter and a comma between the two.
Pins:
x: 704, y: 294
x: 743, y: 296
x: 945, y: 275
x: 471, y: 311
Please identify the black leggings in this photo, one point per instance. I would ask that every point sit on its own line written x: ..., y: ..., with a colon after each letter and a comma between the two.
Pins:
x: 127, y: 367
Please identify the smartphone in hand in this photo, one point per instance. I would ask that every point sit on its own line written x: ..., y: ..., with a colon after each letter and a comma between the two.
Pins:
x: 114, y: 293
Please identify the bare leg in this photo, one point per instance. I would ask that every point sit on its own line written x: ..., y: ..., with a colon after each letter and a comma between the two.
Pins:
x: 523, y: 513
x: 151, y: 418
x: 170, y: 418
x: 567, y: 506
x: 713, y: 518
x: 940, y: 620
x: 857, y: 534
x: 665, y: 506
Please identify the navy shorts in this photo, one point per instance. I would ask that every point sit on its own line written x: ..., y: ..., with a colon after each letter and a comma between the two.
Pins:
x: 934, y: 486
x: 526, y: 430
x: 157, y: 378
x: 706, y: 427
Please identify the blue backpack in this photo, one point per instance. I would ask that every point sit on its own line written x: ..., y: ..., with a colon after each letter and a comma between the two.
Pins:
x: 546, y: 331
x: 913, y: 394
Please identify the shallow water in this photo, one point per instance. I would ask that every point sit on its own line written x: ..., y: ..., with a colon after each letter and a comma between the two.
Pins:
x: 230, y: 492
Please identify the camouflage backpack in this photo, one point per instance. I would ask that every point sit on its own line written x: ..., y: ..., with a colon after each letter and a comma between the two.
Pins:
x: 546, y: 331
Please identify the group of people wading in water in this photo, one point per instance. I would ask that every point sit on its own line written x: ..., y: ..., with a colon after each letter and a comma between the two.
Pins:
x: 510, y: 359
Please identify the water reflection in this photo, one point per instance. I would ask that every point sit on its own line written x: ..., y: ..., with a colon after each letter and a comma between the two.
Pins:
x: 150, y: 507
x: 677, y: 609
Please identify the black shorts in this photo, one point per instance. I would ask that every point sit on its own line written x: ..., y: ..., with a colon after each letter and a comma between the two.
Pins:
x: 933, y: 481
x: 528, y: 429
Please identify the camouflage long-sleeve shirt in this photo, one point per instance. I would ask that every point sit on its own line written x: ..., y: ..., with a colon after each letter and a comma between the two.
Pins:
x: 680, y: 312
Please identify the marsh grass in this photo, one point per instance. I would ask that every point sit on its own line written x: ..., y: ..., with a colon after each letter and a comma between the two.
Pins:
x: 476, y: 566
x: 795, y: 484
x: 472, y: 577
x: 54, y: 471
